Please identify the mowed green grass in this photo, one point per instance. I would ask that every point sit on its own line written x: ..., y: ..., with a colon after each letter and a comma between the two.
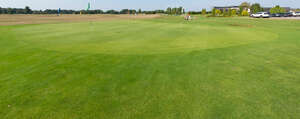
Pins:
x: 163, y: 68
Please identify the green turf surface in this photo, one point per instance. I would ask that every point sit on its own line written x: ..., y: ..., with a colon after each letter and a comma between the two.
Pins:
x: 163, y: 68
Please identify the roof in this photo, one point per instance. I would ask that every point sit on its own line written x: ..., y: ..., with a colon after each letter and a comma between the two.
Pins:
x: 225, y: 6
x: 272, y: 7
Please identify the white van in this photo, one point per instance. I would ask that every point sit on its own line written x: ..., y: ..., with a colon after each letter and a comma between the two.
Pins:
x: 261, y: 15
x: 296, y: 14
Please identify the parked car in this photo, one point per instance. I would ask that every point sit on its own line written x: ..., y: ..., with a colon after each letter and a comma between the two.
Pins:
x: 260, y: 15
x: 296, y: 14
x: 276, y: 15
x: 287, y: 14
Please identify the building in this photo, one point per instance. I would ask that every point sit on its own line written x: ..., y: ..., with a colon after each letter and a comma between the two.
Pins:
x: 227, y: 8
x: 287, y: 9
x: 267, y: 9
x: 295, y: 9
x: 222, y: 8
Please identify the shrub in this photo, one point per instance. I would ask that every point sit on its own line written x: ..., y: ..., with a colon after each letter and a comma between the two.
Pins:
x: 218, y: 12
x: 277, y: 9
x: 214, y: 12
x: 203, y: 12
x: 245, y: 13
x: 233, y: 12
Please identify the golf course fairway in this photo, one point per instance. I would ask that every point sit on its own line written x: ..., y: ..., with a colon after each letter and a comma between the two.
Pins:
x: 160, y: 68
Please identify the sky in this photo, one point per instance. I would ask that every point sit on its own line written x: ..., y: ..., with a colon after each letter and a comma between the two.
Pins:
x: 189, y: 5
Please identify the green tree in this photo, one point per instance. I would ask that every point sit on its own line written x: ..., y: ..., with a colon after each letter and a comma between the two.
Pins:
x: 179, y: 10
x: 28, y: 10
x: 256, y: 8
x: 213, y: 12
x: 10, y: 11
x: 224, y: 11
x: 218, y: 12
x: 229, y: 12
x: 174, y: 11
x: 140, y: 11
x: 233, y: 12
x: 125, y: 11
x: 203, y: 12
x: 277, y: 9
x: 244, y: 6
x: 169, y: 10
x: 132, y: 11
x: 112, y: 12
x: 245, y: 13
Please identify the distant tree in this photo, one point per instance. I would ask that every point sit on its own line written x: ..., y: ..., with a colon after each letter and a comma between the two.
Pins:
x: 124, y: 11
x: 277, y: 9
x: 96, y: 11
x: 159, y: 11
x: 28, y: 10
x: 132, y: 11
x: 233, y: 12
x: 5, y: 11
x: 169, y: 10
x: 218, y: 12
x: 213, y: 12
x: 10, y: 11
x: 50, y: 11
x: 174, y: 10
x: 229, y: 12
x: 140, y: 11
x: 194, y: 12
x: 256, y: 8
x: 225, y: 12
x: 244, y: 6
x: 245, y: 13
x: 112, y: 12
x: 203, y: 12
x: 179, y: 10
x: 149, y: 12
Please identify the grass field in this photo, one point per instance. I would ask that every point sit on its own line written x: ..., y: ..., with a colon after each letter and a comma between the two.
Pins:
x: 160, y: 68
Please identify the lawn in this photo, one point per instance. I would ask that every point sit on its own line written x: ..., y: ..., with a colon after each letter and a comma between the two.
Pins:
x: 160, y: 68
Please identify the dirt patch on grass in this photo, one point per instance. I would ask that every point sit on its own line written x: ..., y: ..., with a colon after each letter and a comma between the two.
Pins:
x: 241, y: 25
x: 39, y: 19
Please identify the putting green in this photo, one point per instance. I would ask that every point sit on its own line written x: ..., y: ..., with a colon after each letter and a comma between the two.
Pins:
x: 137, y: 37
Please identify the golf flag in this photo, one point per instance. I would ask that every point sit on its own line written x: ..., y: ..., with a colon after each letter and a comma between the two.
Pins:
x: 89, y: 6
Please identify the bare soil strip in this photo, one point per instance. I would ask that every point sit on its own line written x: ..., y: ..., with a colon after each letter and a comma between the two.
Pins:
x: 39, y: 19
x: 286, y: 18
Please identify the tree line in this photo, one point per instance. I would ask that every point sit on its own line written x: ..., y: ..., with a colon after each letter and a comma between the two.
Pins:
x: 175, y: 11
x: 243, y: 10
x: 27, y: 10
